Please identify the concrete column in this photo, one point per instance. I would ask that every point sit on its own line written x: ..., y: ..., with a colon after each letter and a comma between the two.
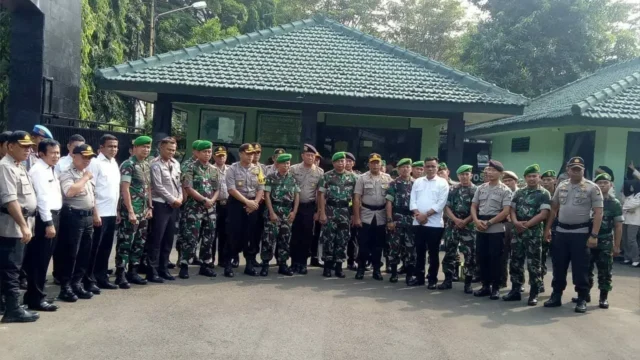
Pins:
x: 162, y: 112
x: 455, y: 141
x: 309, y: 126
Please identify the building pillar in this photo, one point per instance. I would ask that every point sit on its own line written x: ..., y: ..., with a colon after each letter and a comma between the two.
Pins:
x: 455, y: 141
x: 309, y: 126
x: 162, y: 113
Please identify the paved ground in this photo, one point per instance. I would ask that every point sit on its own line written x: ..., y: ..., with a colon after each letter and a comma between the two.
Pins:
x: 310, y: 317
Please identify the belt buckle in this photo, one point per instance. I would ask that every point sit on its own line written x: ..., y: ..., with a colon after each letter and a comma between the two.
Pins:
x: 223, y: 202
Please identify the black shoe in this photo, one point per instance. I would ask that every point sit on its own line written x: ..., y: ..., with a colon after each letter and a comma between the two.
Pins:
x: 541, y: 290
x: 394, y: 274
x: 352, y: 266
x: 495, y: 293
x: 196, y: 261
x: 387, y: 268
x: 514, y: 294
x: 315, y: 262
x: 467, y: 286
x: 446, y: 284
x: 432, y: 285
x: 14, y: 313
x: 255, y: 263
x: 283, y: 269
x: 207, y: 270
x: 249, y: 270
x: 533, y: 297
x: 587, y: 298
x: 92, y: 288
x: 603, y: 303
x: 166, y: 275
x: 485, y: 290
x: 339, y: 273
x: 359, y: 274
x: 265, y: 270
x: 67, y: 295
x: 106, y: 285
x: 121, y: 280
x: 409, y: 280
x: 228, y: 271
x: 377, y: 275
x: 134, y: 278
x: 154, y: 278
x: 81, y: 292
x: 327, y: 269
x: 295, y: 267
x: 235, y: 263
x: 555, y: 300
x: 581, y: 306
x: 170, y: 266
x: 43, y: 306
x: 184, y: 271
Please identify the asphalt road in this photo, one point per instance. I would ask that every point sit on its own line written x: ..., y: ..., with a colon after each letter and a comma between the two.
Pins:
x: 310, y: 317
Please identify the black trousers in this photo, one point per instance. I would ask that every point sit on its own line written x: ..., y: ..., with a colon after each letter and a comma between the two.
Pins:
x: 565, y: 248
x: 370, y: 242
x: 241, y: 229
x: 221, y: 231
x: 506, y: 254
x: 11, y: 255
x: 103, y: 237
x: 352, y: 247
x: 427, y: 239
x: 302, y: 233
x: 74, y: 246
x: 489, y: 248
x: 36, y: 260
x: 315, y: 241
x: 254, y: 244
x: 162, y: 233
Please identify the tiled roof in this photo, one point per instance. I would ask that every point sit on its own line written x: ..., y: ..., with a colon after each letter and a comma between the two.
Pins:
x: 609, y: 93
x: 315, y: 56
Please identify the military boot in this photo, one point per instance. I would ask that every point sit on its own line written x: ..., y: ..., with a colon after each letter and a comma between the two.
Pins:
x: 467, y: 285
x: 495, y: 292
x: 410, y: 280
x: 456, y: 274
x: 14, y: 313
x: 249, y: 269
x: 184, y: 271
x: 121, y: 280
x: 603, y: 303
x: 360, y: 270
x: 295, y: 267
x: 302, y: 270
x: 587, y: 298
x: 394, y: 274
x: 207, y: 270
x: 533, y: 296
x: 555, y: 300
x: 485, y: 290
x: 447, y: 283
x: 377, y: 275
x: 80, y: 291
x: 514, y: 294
x: 265, y: 269
x: 133, y: 276
x: 581, y: 304
x: 283, y: 269
x: 327, y: 269
x: 338, y: 269
x: 228, y: 270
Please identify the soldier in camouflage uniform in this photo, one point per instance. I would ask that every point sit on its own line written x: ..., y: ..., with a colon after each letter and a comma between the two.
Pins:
x: 201, y: 182
x: 400, y: 221
x: 609, y: 238
x: 548, y: 180
x: 460, y: 232
x: 336, y: 191
x: 183, y: 168
x: 530, y: 206
x: 135, y: 182
x: 282, y: 196
x: 417, y: 169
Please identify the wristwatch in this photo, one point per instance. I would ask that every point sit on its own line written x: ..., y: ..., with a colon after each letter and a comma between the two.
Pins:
x: 593, y: 235
x: 489, y: 223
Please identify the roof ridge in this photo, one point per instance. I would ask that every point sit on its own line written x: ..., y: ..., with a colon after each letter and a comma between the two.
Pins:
x: 464, y: 78
x: 609, y: 92
x: 170, y: 57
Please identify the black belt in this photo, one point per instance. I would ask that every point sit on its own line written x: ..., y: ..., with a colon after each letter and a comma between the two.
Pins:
x: 308, y: 204
x: 55, y: 212
x: 341, y: 203
x: 525, y: 219
x: 463, y: 216
x: 489, y: 217
x: 574, y: 226
x: 78, y: 212
x: 25, y: 213
x: 222, y: 202
x: 402, y: 211
x: 373, y: 208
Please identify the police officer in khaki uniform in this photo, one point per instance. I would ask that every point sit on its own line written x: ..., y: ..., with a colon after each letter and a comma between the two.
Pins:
x: 352, y: 246
x: 369, y: 214
x: 577, y: 231
x: 220, y: 160
x: 17, y: 219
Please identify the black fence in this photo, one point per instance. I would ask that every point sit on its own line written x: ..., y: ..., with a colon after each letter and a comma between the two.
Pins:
x: 62, y: 128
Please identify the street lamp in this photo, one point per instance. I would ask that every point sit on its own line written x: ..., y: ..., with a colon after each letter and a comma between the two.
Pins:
x: 198, y: 5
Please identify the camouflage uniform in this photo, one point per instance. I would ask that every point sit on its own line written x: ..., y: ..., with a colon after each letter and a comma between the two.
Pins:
x: 199, y: 220
x: 459, y: 201
x: 528, y: 203
x: 132, y: 237
x: 281, y: 190
x: 184, y: 168
x: 602, y: 257
x: 338, y: 191
x: 401, y: 241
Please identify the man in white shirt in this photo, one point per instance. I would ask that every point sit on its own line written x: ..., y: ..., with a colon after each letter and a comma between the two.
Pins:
x: 39, y: 249
x: 106, y: 177
x: 428, y: 199
x: 65, y: 161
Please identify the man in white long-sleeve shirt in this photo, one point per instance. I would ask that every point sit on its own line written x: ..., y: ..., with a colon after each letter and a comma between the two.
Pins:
x: 39, y: 250
x: 428, y: 199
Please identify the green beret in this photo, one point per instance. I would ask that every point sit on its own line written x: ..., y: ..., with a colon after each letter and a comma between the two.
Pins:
x: 442, y: 166
x: 549, y: 173
x: 405, y: 161
x: 603, y: 176
x: 194, y: 146
x: 283, y: 158
x: 532, y: 169
x: 204, y: 145
x: 464, y: 169
x: 418, y: 164
x: 338, y: 156
x: 142, y: 140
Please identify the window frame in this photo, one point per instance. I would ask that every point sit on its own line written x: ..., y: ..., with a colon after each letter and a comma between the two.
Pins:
x: 227, y: 144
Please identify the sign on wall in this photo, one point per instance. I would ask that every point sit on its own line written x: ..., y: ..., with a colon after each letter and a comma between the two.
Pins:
x: 279, y: 129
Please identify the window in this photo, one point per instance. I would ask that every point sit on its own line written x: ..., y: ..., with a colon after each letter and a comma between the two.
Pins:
x: 276, y: 129
x: 222, y: 127
x: 520, y: 144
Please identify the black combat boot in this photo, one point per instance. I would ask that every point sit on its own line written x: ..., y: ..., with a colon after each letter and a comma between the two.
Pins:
x: 338, y: 268
x: 555, y: 300
x: 105, y: 284
x: 456, y: 273
x: 170, y: 266
x: 235, y: 262
x: 447, y: 283
x: 467, y: 285
x: 514, y: 294
x: 581, y: 304
x: 315, y: 262
x: 603, y: 303
x: 67, y: 295
x: 207, y: 270
x: 533, y: 296
x: 80, y: 291
x: 228, y: 270
x: 14, y: 313
x: 394, y: 274
x: 121, y: 280
x: 495, y: 292
x: 265, y: 269
x: 587, y: 298
x: 165, y: 275
x: 184, y: 271
x: 152, y: 275
x: 410, y: 280
x: 90, y: 286
x: 485, y: 290
x: 249, y: 269
x: 295, y: 267
x: 283, y: 269
x: 302, y: 270
x: 133, y: 276
x: 327, y: 269
x: 377, y: 275
x: 351, y: 265
x: 387, y: 266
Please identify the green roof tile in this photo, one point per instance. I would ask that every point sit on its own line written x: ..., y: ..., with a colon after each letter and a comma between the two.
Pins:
x: 609, y: 93
x: 314, y: 56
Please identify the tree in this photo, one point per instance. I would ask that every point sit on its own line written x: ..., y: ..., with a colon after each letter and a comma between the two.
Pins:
x: 534, y: 46
x: 5, y: 28
x: 365, y: 15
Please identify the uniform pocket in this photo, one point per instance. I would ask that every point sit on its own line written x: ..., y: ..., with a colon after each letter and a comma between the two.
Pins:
x: 27, y: 189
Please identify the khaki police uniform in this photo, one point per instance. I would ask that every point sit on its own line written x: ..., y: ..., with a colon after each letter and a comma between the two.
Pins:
x: 302, y: 230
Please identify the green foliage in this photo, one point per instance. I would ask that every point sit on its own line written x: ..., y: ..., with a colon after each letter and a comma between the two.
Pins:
x: 5, y: 26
